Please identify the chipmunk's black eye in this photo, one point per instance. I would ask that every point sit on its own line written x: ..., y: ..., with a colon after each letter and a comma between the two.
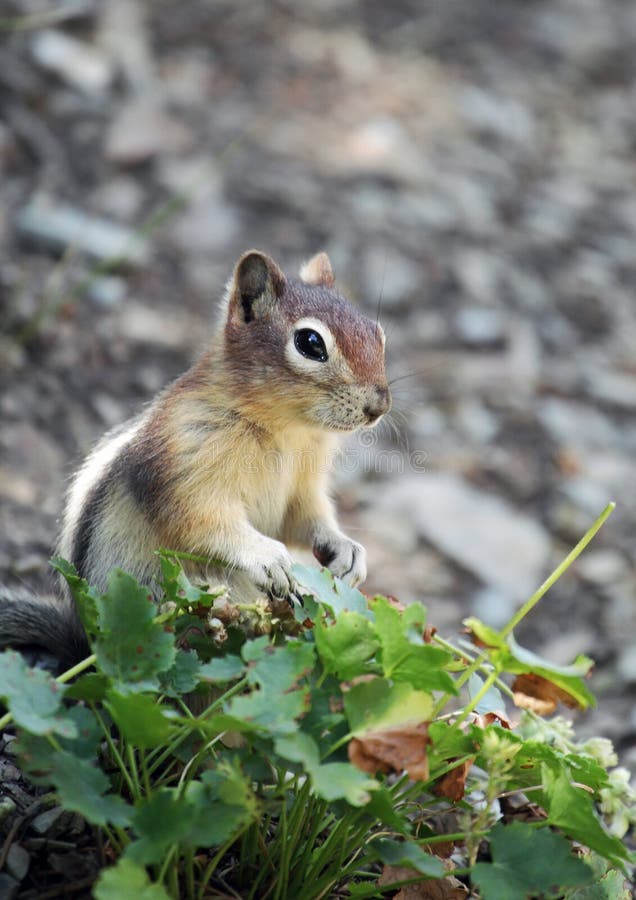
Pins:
x: 310, y: 344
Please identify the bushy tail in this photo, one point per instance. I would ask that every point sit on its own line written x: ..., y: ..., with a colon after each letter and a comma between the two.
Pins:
x: 36, y: 624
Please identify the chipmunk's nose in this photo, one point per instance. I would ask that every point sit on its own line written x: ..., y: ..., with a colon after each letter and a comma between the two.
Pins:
x: 380, y: 406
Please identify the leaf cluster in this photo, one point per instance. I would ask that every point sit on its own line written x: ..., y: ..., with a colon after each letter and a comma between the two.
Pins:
x: 308, y: 760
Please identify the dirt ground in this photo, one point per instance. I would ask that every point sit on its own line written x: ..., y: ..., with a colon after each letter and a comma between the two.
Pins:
x: 471, y: 170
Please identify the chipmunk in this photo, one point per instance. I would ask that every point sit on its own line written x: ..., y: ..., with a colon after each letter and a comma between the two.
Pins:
x: 231, y: 461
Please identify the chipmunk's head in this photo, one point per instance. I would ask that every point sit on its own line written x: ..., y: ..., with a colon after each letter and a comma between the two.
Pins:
x: 296, y: 346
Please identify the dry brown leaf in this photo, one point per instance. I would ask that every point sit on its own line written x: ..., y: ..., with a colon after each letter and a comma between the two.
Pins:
x: 492, y: 718
x: 453, y: 784
x: 429, y: 633
x: 430, y: 889
x: 535, y: 692
x: 394, y: 750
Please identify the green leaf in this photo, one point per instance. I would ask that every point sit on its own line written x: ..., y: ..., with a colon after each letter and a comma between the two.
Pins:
x: 333, y: 781
x: 222, y: 669
x: 299, y: 748
x: 160, y: 821
x: 80, y: 785
x: 486, y: 635
x: 89, y: 734
x: 405, y: 656
x: 83, y: 594
x: 132, y: 648
x: 276, y: 699
x: 581, y: 666
x: 207, y: 813
x: 407, y: 854
x: 177, y: 586
x: 33, y: 697
x: 331, y: 591
x: 346, y: 645
x: 91, y: 687
x: 508, y: 656
x: 377, y: 705
x: 139, y: 719
x: 572, y: 809
x: 183, y: 676
x: 520, y: 866
x: 127, y: 881
x: 610, y: 886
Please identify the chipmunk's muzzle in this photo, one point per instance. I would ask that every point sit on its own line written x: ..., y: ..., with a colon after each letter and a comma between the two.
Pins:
x: 379, y: 406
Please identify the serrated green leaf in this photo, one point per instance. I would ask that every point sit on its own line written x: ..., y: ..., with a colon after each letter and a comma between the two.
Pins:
x: 177, y: 586
x: 264, y: 711
x: 404, y: 655
x: 610, y: 886
x: 80, y: 785
x: 407, y: 854
x: 300, y: 748
x: 131, y: 648
x: 572, y: 809
x: 331, y: 591
x: 222, y: 669
x: 280, y: 669
x: 519, y: 869
x: 163, y: 819
x: 378, y: 705
x: 139, y: 719
x: 339, y: 780
x: 33, y: 697
x: 127, y: 881
x: 347, y: 644
x: 183, y: 676
x: 276, y: 699
x: 83, y: 594
x: 91, y: 687
x: 208, y: 812
x: 89, y: 734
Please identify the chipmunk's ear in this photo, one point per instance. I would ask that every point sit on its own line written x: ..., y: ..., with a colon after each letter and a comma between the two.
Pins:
x: 256, y: 285
x: 318, y: 271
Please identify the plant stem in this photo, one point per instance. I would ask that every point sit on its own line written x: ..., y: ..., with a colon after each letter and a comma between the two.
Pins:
x: 560, y: 569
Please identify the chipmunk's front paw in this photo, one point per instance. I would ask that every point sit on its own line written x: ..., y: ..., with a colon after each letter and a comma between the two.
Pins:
x: 343, y: 557
x: 272, y: 572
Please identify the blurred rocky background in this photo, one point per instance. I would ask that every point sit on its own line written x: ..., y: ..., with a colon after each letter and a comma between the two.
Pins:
x: 471, y: 169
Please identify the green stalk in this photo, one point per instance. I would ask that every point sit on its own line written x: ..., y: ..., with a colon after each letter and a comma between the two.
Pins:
x: 114, y: 751
x: 560, y: 569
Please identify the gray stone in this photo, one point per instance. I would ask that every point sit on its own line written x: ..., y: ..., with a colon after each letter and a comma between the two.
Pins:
x: 478, y: 274
x: 480, y: 328
x: 57, y: 227
x: 602, y: 566
x: 80, y: 65
x: 9, y: 887
x: 18, y: 861
x: 141, y: 130
x: 7, y: 805
x: 575, y: 424
x: 502, y: 117
x: 107, y: 290
x: 492, y: 606
x: 390, y: 278
x: 626, y: 664
x: 500, y: 545
x: 46, y: 821
x: 613, y: 389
